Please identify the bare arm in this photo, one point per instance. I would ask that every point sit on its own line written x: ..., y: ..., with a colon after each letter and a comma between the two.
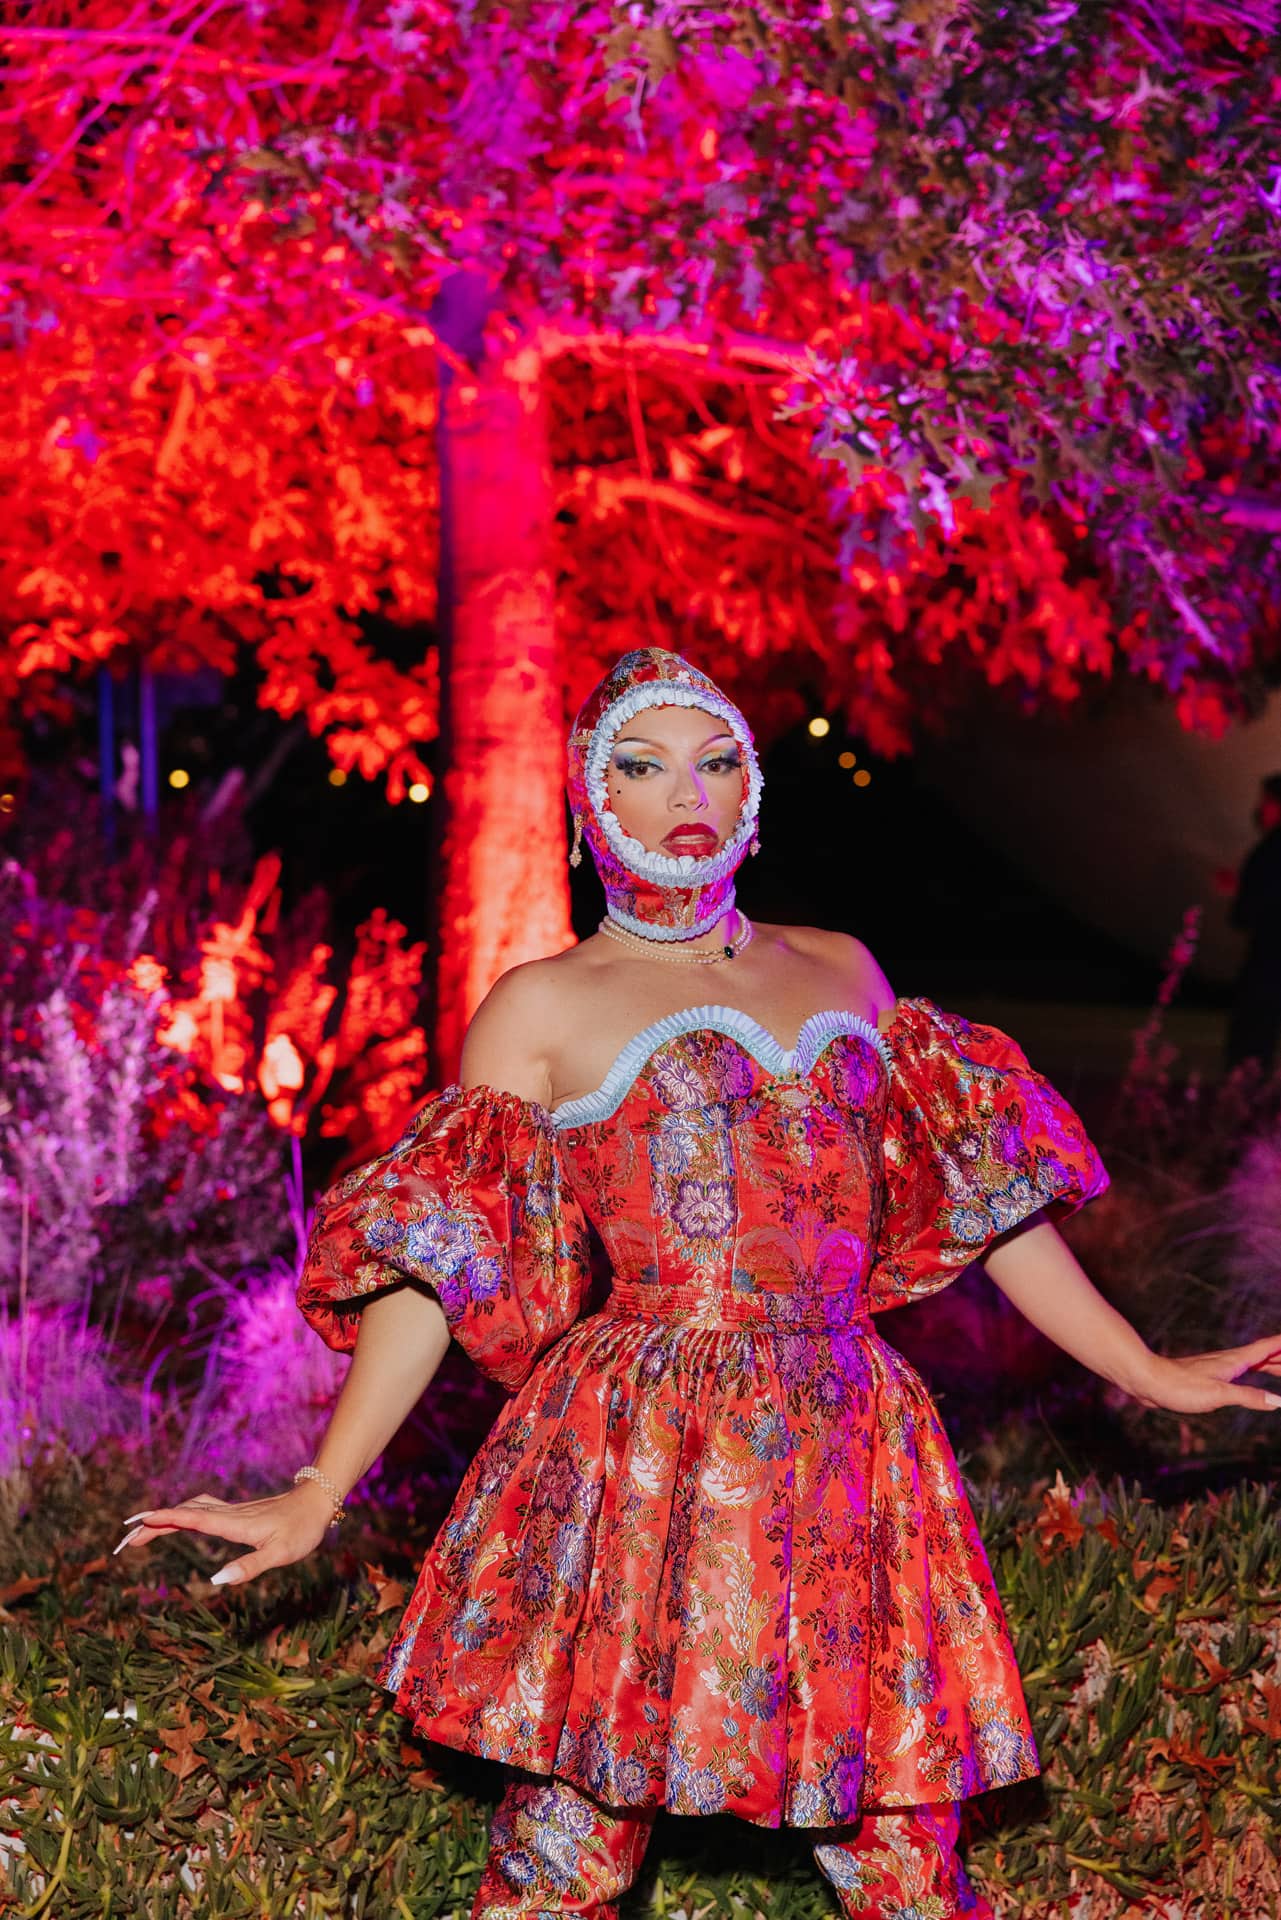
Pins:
x: 403, y: 1335
x: 401, y: 1339
x: 1036, y: 1269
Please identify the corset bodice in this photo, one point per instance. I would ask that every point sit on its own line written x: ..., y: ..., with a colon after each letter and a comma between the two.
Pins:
x: 733, y: 1181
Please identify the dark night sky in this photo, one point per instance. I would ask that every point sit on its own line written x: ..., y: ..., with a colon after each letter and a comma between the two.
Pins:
x: 945, y: 913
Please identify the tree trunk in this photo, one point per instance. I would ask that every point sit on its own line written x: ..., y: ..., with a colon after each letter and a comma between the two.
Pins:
x: 501, y: 882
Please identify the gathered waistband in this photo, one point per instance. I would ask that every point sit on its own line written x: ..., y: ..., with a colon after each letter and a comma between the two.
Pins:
x: 695, y: 1306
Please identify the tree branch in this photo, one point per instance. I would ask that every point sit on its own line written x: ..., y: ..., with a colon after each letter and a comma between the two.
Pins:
x: 723, y: 346
x: 666, y: 493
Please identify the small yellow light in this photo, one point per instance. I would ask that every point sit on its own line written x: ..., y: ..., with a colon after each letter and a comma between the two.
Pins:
x: 862, y: 778
x: 7, y: 803
x: 419, y: 792
x: 847, y: 760
x: 337, y: 778
x: 180, y: 778
x: 820, y: 726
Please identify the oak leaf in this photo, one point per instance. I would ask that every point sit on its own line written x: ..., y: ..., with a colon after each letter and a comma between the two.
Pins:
x: 243, y: 1731
x: 181, y: 1741
x: 1058, y: 1519
x: 1189, y: 1753
x: 278, y: 1650
x: 391, y: 1593
x: 204, y: 1694
x: 1271, y: 1727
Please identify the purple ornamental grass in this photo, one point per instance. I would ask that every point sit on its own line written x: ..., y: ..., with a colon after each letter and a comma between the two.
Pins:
x: 268, y: 1388
x: 61, y: 1384
x: 49, y: 1171
x: 103, y: 1185
x: 1250, y: 1214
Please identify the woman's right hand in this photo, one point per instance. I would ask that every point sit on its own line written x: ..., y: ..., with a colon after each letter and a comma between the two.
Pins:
x: 282, y: 1528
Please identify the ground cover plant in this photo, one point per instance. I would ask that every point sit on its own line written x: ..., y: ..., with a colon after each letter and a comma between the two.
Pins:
x: 171, y: 1751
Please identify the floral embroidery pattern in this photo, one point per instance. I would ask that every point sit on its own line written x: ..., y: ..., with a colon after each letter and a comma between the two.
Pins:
x: 715, y: 1554
x: 472, y: 1202
x: 552, y: 1850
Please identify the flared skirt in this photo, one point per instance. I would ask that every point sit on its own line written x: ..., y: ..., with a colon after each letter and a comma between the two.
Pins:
x: 718, y: 1570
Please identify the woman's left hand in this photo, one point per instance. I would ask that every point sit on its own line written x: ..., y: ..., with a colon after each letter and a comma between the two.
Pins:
x: 1200, y: 1382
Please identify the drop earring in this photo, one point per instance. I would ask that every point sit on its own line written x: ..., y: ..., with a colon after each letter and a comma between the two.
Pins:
x: 575, y: 855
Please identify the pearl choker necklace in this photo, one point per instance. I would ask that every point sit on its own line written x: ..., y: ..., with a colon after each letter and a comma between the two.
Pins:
x: 658, y: 950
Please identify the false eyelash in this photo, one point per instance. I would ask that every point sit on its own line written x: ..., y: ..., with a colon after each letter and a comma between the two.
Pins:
x: 626, y: 763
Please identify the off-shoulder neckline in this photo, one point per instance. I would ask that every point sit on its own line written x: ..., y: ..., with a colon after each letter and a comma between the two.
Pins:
x: 817, y: 1031
x: 757, y: 1039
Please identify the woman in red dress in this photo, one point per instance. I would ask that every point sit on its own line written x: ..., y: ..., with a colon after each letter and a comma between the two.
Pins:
x: 715, y: 1554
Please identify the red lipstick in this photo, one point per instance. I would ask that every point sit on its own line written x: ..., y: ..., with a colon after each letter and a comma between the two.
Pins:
x: 689, y: 838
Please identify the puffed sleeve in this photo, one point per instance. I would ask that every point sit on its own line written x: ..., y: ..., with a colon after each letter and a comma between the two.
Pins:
x: 473, y: 1202
x: 975, y: 1141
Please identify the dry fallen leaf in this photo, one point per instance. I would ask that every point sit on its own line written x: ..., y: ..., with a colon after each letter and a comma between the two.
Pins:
x: 1058, y: 1518
x: 243, y: 1731
x: 181, y: 1741
x: 25, y: 1583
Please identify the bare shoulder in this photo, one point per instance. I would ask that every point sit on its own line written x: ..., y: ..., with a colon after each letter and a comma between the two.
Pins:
x: 513, y: 1032
x: 853, y: 960
x: 520, y: 1026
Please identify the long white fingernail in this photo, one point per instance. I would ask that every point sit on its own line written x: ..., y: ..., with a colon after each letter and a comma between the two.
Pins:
x: 1272, y: 1399
x: 128, y: 1537
x: 130, y: 1517
x: 222, y: 1577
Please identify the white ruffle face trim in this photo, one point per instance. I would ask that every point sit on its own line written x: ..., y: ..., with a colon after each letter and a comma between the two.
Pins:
x: 670, y: 869
x: 648, y: 930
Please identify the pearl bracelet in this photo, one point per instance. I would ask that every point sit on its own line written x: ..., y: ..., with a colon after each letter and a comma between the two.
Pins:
x: 314, y: 1473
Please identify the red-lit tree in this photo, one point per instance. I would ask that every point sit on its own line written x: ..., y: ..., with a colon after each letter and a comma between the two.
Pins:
x: 1014, y: 272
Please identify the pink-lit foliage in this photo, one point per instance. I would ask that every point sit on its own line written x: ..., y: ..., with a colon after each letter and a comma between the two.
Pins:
x: 121, y: 1172
x: 150, y: 1120
x: 184, y: 935
x: 1249, y: 1218
x: 60, y: 1387
x: 1143, y: 1097
x: 263, y: 1394
x: 236, y: 1394
x: 1186, y: 1240
x: 979, y: 256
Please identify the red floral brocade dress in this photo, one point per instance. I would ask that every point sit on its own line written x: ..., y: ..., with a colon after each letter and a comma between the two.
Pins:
x: 715, y: 1553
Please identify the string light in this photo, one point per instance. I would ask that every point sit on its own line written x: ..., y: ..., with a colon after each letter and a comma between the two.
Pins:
x: 419, y: 792
x: 847, y: 760
x: 7, y: 803
x: 862, y: 778
x: 819, y: 726
x: 337, y: 778
x: 179, y: 778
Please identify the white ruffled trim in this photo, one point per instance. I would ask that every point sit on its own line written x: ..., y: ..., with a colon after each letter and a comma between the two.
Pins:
x: 670, y: 869
x: 817, y: 1031
x: 653, y: 930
